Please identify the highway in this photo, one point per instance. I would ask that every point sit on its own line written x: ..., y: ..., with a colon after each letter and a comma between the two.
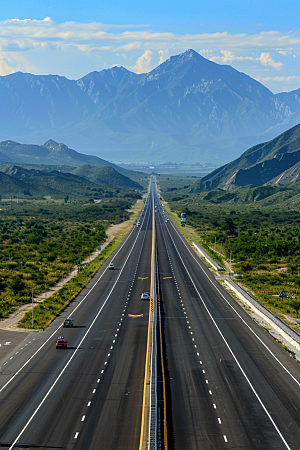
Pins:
x: 229, y: 385
x: 89, y: 395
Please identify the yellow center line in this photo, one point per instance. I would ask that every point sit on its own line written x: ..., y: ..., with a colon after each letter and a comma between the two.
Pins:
x: 166, y: 278
x: 145, y: 278
x: 135, y: 315
x: 142, y: 439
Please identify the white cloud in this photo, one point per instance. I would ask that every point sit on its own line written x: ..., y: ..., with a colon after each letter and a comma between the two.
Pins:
x: 69, y: 48
x: 12, y: 62
x: 162, y: 55
x: 95, y: 32
x: 266, y: 60
x: 228, y: 58
x: 279, y: 79
x: 143, y: 62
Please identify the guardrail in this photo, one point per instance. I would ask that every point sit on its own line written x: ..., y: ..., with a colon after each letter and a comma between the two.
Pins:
x: 207, y: 257
x: 290, y: 335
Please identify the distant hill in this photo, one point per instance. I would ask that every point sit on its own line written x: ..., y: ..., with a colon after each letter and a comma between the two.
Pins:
x: 273, y: 162
x: 188, y: 109
x: 33, y: 183
x: 52, y: 153
x: 23, y: 183
x: 103, y: 175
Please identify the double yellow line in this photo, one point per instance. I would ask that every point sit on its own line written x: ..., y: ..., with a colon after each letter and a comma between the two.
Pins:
x: 146, y: 393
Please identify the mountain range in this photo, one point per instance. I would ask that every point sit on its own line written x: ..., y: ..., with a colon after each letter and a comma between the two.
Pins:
x: 272, y: 163
x: 187, y: 109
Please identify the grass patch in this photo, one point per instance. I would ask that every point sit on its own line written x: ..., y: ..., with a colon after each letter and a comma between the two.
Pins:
x: 46, y: 312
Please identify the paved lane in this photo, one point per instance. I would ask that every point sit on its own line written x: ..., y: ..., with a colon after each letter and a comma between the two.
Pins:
x: 81, y: 396
x: 227, y: 389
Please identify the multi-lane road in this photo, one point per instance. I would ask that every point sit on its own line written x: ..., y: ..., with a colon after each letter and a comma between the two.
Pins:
x: 228, y: 383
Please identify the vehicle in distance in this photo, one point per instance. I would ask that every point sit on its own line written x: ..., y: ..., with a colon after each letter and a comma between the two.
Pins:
x: 68, y: 322
x: 61, y: 342
x: 111, y: 266
x: 145, y: 296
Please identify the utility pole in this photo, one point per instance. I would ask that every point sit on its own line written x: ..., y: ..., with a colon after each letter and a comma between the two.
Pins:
x: 32, y: 306
x: 215, y: 243
x: 221, y: 247
x: 230, y: 257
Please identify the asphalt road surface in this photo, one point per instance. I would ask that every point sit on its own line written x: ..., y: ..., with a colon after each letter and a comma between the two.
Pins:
x: 229, y: 384
x: 89, y: 395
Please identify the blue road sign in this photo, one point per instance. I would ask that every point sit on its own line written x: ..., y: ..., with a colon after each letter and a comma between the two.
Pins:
x: 282, y: 293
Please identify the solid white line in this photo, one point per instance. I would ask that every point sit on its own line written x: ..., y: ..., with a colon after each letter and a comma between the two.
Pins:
x: 232, y: 307
x: 230, y: 350
x: 77, y: 348
x: 79, y: 304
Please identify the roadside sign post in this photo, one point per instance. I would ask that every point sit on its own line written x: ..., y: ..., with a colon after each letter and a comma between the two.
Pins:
x: 282, y: 295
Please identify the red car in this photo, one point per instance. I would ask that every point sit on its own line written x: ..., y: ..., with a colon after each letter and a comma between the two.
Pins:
x: 61, y: 343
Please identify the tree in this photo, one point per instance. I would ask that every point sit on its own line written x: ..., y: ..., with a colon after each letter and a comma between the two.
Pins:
x: 17, y: 284
x: 230, y: 226
x: 296, y: 305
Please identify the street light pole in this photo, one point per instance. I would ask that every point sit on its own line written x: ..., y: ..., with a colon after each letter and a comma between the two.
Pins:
x: 32, y: 306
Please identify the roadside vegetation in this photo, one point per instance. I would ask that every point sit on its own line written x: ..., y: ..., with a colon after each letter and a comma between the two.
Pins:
x: 45, y: 312
x: 258, y: 239
x: 41, y: 242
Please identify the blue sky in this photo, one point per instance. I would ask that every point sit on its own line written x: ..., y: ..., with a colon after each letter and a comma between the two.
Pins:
x: 73, y: 38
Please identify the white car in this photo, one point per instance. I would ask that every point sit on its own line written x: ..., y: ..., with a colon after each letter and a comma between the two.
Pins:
x: 111, y: 266
x: 145, y: 296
